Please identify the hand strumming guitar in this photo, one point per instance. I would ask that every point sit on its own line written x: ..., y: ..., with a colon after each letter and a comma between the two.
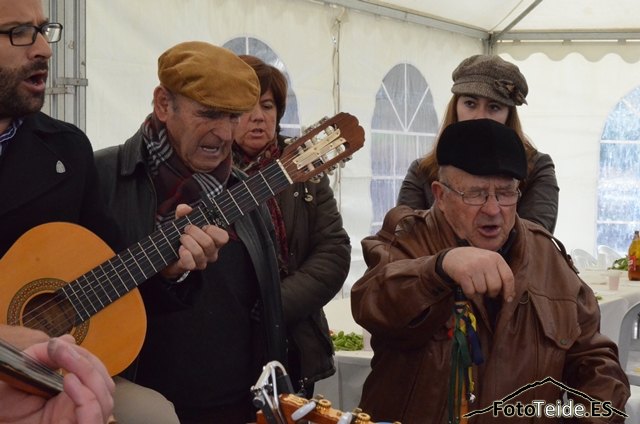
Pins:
x: 88, y: 390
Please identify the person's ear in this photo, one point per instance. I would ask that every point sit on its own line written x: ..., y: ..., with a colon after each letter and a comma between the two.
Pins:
x: 162, y: 103
x: 438, y: 190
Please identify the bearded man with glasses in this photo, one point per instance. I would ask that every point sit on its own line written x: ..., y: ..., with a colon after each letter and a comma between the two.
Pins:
x: 48, y: 174
x: 468, y: 304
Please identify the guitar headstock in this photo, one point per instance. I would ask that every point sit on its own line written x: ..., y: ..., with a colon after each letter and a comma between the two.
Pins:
x: 316, y: 411
x: 322, y: 147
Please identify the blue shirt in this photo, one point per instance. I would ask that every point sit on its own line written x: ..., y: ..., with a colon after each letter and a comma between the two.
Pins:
x: 9, y: 133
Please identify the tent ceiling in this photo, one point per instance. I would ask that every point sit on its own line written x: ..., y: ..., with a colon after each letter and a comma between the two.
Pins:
x: 515, y: 19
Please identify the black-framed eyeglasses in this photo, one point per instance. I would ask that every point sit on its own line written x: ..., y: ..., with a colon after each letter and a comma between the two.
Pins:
x: 25, y: 35
x: 480, y: 197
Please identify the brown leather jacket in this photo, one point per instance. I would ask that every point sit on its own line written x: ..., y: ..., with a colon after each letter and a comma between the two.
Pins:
x: 552, y: 330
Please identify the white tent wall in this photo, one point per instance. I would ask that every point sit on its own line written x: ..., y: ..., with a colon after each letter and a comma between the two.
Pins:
x: 570, y: 95
x: 572, y: 90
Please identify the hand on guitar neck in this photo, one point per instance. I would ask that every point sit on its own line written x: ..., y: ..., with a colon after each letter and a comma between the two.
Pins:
x: 88, y: 389
x: 199, y: 246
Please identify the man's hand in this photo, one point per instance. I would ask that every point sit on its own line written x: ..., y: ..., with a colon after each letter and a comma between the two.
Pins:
x: 199, y: 246
x: 21, y: 337
x: 479, y: 271
x: 87, y: 396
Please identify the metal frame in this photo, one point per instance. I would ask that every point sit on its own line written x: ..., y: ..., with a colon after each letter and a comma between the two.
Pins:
x: 489, y: 39
x: 67, y: 82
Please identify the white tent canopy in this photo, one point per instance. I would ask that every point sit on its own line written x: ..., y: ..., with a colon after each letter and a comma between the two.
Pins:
x: 514, y: 19
x: 338, y: 52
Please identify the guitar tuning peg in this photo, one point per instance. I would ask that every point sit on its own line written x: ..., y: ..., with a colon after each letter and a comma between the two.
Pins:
x: 362, y: 418
x: 345, y: 418
x: 324, y: 404
x: 301, y: 412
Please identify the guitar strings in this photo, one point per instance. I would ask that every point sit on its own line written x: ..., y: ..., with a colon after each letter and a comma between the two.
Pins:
x: 84, y: 289
x: 19, y: 361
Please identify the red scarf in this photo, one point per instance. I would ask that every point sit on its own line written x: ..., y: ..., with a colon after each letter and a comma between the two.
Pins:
x: 252, y: 165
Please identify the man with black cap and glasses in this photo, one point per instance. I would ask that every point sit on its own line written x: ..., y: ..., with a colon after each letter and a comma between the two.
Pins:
x: 467, y: 303
x: 47, y: 174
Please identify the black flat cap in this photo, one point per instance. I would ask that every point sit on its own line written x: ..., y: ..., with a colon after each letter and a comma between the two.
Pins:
x: 482, y: 147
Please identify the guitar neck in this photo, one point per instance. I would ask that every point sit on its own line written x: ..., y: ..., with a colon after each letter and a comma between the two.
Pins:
x: 116, y: 277
x: 25, y: 373
x: 320, y: 149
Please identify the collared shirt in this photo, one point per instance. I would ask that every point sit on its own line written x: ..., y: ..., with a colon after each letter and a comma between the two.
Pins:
x: 9, y: 133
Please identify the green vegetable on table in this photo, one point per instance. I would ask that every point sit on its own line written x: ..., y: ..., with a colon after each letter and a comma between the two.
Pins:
x: 344, y: 341
x: 621, y: 264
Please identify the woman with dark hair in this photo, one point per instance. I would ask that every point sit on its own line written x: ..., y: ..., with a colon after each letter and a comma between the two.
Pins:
x: 314, y: 250
x: 486, y: 86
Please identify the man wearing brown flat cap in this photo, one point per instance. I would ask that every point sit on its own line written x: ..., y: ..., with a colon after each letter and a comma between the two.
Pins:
x: 209, y: 332
x: 477, y: 315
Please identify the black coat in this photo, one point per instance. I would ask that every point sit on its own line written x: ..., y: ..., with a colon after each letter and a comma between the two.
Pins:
x: 318, y: 264
x: 47, y: 174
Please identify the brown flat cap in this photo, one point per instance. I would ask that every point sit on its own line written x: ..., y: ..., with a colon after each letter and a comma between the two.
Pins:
x: 492, y: 77
x: 482, y: 147
x: 211, y: 75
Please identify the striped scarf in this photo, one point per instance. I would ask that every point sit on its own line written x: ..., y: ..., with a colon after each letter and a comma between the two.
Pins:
x: 173, y: 181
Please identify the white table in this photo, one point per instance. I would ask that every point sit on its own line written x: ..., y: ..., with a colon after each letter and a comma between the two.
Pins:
x: 344, y: 388
x: 614, y: 304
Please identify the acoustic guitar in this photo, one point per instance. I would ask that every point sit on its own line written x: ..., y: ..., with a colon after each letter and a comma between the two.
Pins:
x: 60, y: 278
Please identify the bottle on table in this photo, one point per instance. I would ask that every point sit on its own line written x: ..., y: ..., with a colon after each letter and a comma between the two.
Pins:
x: 634, y: 257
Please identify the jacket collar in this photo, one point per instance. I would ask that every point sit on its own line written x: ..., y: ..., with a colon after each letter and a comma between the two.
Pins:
x: 132, y: 154
x: 33, y: 157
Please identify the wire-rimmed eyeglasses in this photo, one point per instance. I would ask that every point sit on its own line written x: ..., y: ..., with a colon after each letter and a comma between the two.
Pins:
x: 480, y: 197
x: 25, y: 35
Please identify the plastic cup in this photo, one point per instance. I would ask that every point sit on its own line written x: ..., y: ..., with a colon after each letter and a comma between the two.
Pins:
x: 614, y: 280
x: 366, y: 340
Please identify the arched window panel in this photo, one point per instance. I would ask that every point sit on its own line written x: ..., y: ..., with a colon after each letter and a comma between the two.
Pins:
x: 404, y: 102
x: 403, y: 128
x: 619, y: 179
x: 290, y: 122
x: 623, y: 123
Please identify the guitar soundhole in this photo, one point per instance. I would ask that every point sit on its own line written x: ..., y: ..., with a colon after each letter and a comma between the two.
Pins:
x: 40, y: 306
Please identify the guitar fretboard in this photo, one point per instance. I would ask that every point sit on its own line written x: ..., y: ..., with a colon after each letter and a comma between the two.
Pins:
x: 16, y: 365
x: 116, y: 277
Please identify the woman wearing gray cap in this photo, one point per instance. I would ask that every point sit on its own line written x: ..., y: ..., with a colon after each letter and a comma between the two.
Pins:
x: 486, y: 86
